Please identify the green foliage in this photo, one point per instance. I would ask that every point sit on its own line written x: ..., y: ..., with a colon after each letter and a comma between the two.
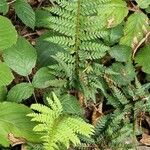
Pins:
x: 143, y: 4
x: 14, y: 121
x: 116, y: 130
x: 25, y: 12
x: 112, y: 12
x: 8, y: 34
x: 3, y: 93
x: 92, y: 54
x: 6, y: 75
x: 136, y: 28
x: 57, y: 127
x: 121, y: 53
x: 3, y: 7
x: 20, y: 92
x: 21, y: 57
x: 142, y: 58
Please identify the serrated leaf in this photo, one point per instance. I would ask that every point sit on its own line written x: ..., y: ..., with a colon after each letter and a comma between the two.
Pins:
x: 121, y: 53
x: 13, y: 120
x: 42, y: 18
x: 142, y: 58
x: 8, y: 34
x: 114, y: 35
x: 112, y: 12
x: 126, y: 73
x: 21, y: 57
x: 71, y: 105
x: 25, y: 12
x: 136, y: 27
x: 6, y: 75
x: 42, y: 78
x: 143, y: 3
x: 3, y: 6
x: 3, y: 93
x: 20, y: 92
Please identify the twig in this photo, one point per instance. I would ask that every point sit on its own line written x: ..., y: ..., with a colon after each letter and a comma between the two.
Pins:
x: 29, y: 34
x: 140, y: 43
x: 33, y: 91
x: 11, y: 2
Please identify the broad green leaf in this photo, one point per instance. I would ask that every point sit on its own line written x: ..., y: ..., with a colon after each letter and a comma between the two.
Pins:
x: 25, y: 12
x: 143, y: 3
x: 6, y: 76
x: 3, y: 6
x: 13, y: 120
x: 46, y: 50
x: 126, y: 73
x: 20, y: 92
x: 42, y: 78
x: 42, y: 18
x: 148, y: 10
x: 143, y: 57
x: 71, y: 105
x: 21, y: 57
x: 112, y: 12
x: 113, y: 35
x: 8, y: 34
x: 136, y: 27
x: 121, y: 53
x: 3, y: 93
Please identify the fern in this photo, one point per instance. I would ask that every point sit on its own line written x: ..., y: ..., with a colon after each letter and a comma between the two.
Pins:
x: 80, y: 39
x: 128, y: 104
x: 58, y: 128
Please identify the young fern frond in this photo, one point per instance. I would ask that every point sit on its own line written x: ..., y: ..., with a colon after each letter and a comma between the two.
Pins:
x: 58, y: 128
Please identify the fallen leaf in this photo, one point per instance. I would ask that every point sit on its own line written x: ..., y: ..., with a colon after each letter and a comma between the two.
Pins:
x: 97, y: 113
x: 15, y: 140
x: 145, y: 139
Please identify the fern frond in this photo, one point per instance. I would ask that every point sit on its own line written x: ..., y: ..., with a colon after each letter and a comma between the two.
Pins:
x: 58, y: 128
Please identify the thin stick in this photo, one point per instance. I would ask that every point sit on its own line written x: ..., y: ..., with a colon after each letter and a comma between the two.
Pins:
x: 140, y: 43
x: 33, y: 91
x: 11, y: 2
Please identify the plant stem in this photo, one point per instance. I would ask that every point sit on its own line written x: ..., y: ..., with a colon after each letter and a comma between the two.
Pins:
x: 33, y: 92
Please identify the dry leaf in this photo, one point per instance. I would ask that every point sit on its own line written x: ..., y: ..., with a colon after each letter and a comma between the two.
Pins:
x: 15, y: 140
x: 97, y: 113
x: 81, y: 98
x: 145, y: 139
x: 110, y: 22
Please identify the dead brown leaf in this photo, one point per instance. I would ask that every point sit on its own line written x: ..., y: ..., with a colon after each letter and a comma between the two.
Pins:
x: 97, y: 113
x: 15, y: 140
x: 145, y: 139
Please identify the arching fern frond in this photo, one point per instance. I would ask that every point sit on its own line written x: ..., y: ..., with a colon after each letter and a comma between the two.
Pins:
x: 58, y: 128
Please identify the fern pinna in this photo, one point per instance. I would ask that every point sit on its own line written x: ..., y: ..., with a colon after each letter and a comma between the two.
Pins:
x: 58, y: 130
x: 119, y: 129
x: 75, y: 25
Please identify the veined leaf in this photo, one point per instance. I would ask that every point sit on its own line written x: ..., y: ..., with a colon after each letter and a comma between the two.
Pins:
x: 112, y: 13
x: 142, y: 58
x: 143, y: 3
x: 21, y: 57
x: 136, y: 27
x: 3, y: 6
x: 121, y: 53
x: 42, y: 18
x: 3, y: 93
x: 20, y: 92
x: 6, y: 75
x: 13, y: 120
x: 8, y: 34
x: 42, y: 78
x: 25, y: 12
